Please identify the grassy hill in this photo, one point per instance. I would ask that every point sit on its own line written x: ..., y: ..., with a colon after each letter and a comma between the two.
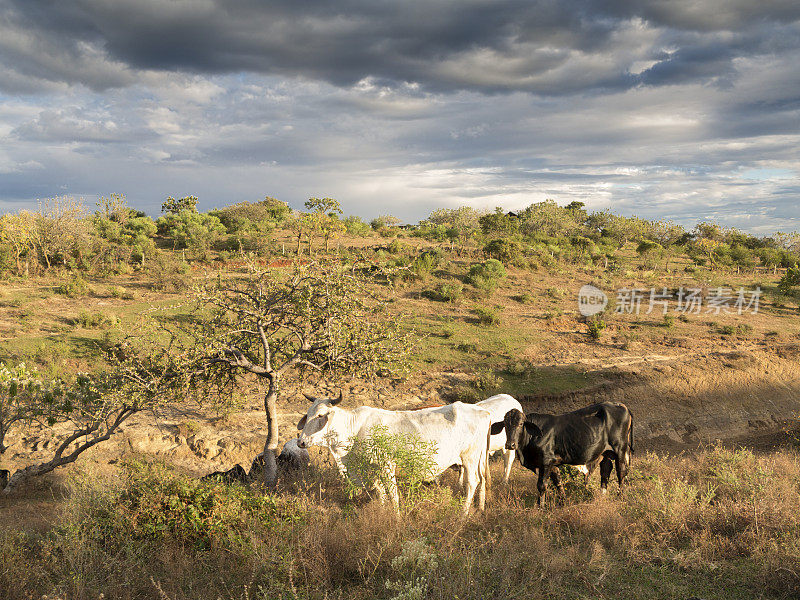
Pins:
x: 492, y: 303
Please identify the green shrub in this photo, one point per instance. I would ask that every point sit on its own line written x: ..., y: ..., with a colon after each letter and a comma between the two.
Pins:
x: 669, y: 321
x: 596, y: 328
x: 116, y: 291
x: 525, y: 298
x: 506, y: 251
x: 154, y: 502
x: 790, y: 279
x: 355, y: 226
x: 445, y: 292
x: 91, y: 320
x: 424, y: 264
x: 469, y: 347
x: 76, y: 287
x: 486, y: 275
x: 169, y: 274
x: 411, y: 456
x: 397, y: 247
x: 486, y: 316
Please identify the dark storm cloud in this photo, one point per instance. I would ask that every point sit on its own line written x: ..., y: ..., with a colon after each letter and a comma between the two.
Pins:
x: 548, y: 47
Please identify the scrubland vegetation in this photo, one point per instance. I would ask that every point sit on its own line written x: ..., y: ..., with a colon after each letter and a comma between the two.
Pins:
x: 106, y: 313
x: 722, y: 524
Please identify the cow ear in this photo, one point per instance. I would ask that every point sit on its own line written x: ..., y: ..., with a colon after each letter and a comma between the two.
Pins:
x: 309, y: 398
x: 533, y: 429
x: 338, y: 400
x: 302, y: 424
x: 317, y: 424
x: 497, y: 427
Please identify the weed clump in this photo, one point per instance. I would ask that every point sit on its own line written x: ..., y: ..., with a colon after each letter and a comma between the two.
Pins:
x: 486, y: 275
x: 596, y: 328
x: 486, y: 316
x: 445, y: 292
x: 76, y: 287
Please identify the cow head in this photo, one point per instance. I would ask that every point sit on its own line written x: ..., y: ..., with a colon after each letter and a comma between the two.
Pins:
x: 313, y: 426
x: 518, y: 429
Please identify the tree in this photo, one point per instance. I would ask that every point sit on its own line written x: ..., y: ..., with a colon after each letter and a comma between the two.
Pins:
x: 114, y: 208
x: 90, y: 409
x: 325, y: 219
x: 173, y: 207
x: 59, y: 230
x: 499, y: 223
x: 265, y: 324
x: 790, y: 279
x: 17, y: 232
x: 384, y: 221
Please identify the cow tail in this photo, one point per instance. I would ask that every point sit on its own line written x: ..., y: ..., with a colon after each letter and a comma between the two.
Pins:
x: 630, y: 432
x: 485, y: 462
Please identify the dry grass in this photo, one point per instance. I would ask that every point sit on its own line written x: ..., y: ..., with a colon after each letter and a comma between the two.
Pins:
x: 722, y: 524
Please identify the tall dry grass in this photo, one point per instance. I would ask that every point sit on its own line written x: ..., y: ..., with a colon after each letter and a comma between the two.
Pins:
x: 719, y: 524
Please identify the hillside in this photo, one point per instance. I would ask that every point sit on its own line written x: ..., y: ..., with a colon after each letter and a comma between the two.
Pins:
x: 491, y: 303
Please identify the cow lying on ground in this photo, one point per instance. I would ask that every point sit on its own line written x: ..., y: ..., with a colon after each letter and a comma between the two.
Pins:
x: 600, y: 433
x: 237, y: 473
x: 291, y: 458
x: 459, y: 430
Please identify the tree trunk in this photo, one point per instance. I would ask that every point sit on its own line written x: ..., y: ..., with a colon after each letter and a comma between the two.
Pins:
x: 270, y: 473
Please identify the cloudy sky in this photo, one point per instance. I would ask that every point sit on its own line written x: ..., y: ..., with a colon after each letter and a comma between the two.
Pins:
x: 682, y: 109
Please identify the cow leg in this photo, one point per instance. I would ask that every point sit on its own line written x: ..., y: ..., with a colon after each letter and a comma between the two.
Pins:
x: 471, y: 485
x: 461, y: 481
x: 541, y: 486
x: 590, y: 467
x: 622, y: 467
x: 508, y: 461
x: 555, y: 477
x: 391, y: 487
x: 483, y: 481
x: 605, y: 472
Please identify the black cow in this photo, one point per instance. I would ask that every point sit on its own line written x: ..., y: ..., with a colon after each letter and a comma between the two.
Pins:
x: 5, y: 475
x: 600, y: 433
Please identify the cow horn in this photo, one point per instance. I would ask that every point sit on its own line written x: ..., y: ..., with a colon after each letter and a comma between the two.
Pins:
x: 309, y: 398
x: 338, y: 400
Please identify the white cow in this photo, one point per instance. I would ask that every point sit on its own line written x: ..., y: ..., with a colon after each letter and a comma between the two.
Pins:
x: 498, y: 406
x: 459, y: 430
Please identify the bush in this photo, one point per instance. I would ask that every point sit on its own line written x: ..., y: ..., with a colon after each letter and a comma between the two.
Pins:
x: 355, y: 226
x: 445, y: 292
x: 411, y: 456
x: 486, y: 316
x: 76, y: 287
x: 596, y: 328
x: 486, y: 275
x: 790, y: 279
x: 397, y: 247
x: 426, y: 262
x: 91, y: 320
x: 525, y: 298
x: 154, y: 502
x: 506, y: 251
x: 169, y: 274
x: 669, y: 321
